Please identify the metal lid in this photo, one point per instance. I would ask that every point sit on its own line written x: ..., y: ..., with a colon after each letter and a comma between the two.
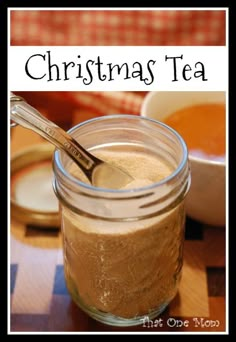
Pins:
x: 32, y: 198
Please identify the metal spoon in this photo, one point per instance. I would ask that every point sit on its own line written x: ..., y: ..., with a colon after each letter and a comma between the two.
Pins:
x: 98, y: 172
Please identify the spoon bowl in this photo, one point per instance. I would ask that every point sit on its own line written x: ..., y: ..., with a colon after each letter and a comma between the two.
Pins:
x: 100, y: 174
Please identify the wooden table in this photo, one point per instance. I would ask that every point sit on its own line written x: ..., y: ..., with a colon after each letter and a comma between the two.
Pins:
x: 40, y: 301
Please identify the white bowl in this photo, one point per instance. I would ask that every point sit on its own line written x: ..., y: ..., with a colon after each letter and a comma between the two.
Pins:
x: 206, y: 199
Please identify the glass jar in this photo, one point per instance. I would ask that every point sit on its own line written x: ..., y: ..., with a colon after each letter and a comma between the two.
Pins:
x: 123, y: 249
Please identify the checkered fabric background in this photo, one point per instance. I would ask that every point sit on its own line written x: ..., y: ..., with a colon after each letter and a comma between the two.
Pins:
x: 69, y: 108
x: 118, y: 27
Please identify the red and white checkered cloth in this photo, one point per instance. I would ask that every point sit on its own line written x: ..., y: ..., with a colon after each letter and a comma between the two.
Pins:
x: 110, y: 28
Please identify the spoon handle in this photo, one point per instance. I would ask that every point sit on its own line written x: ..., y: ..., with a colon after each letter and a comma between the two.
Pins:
x: 28, y: 117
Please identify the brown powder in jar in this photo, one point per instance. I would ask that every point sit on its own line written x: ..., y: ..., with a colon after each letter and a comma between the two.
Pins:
x: 125, y: 268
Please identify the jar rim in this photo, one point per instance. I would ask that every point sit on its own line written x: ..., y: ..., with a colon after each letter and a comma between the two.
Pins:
x: 58, y: 163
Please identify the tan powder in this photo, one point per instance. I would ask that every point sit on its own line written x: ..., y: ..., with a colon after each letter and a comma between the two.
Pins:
x: 124, y: 268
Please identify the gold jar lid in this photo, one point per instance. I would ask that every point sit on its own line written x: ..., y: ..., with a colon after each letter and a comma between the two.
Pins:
x: 32, y: 197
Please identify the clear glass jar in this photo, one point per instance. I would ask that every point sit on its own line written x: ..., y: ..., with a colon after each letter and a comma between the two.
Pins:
x: 123, y: 248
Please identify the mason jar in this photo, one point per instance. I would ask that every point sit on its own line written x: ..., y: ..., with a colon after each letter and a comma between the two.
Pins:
x: 123, y: 248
